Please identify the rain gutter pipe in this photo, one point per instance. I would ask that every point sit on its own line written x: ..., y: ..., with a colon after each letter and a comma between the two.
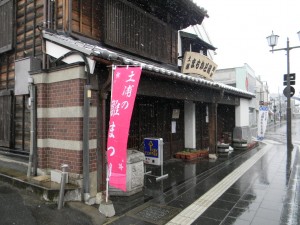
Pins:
x: 32, y: 90
x: 43, y: 41
x: 70, y: 17
x: 86, y: 121
x: 33, y: 147
x: 85, y: 140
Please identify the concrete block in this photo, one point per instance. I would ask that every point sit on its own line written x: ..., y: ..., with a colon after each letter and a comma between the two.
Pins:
x: 74, y: 195
x: 107, y: 209
x: 99, y: 198
x: 91, y: 201
x: 56, y: 176
x: 134, y: 175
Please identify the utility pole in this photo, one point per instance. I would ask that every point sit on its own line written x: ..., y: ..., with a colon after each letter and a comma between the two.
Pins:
x: 272, y: 41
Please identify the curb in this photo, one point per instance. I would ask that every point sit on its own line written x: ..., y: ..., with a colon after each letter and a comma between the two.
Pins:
x: 93, y: 213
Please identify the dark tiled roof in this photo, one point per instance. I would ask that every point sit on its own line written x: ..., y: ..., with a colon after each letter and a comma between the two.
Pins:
x: 105, y: 53
x: 197, y: 39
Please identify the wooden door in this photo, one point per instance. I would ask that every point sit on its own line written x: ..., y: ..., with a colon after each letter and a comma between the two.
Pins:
x: 6, y: 99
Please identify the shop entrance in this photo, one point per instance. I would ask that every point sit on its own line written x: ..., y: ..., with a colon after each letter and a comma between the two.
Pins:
x: 153, y: 117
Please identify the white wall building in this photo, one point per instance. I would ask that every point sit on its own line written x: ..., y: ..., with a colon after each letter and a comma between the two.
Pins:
x: 244, y: 78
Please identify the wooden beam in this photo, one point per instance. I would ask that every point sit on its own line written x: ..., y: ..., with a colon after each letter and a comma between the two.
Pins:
x: 212, y: 127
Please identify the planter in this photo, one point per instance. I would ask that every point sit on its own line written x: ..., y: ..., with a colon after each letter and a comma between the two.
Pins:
x: 203, y: 153
x: 192, y: 154
x: 177, y: 155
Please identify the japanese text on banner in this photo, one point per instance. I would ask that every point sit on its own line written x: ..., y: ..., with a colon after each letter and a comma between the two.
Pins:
x: 125, y: 82
x: 262, y: 122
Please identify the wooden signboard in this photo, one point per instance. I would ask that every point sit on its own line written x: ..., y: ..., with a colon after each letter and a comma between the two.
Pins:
x: 198, y: 65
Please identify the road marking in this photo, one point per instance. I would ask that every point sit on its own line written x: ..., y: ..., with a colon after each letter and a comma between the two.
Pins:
x: 192, y: 212
x: 268, y: 141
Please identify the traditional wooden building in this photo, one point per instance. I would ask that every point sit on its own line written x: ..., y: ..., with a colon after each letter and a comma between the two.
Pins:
x: 55, y: 73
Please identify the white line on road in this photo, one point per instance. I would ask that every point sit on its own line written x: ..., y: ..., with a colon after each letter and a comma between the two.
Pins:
x: 267, y: 141
x: 192, y: 212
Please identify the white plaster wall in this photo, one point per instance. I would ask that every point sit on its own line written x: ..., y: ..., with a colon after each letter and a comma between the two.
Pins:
x: 189, y: 125
x: 242, y: 113
x: 226, y: 76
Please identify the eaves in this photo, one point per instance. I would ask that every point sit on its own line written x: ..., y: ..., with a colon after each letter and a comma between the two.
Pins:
x: 110, y: 55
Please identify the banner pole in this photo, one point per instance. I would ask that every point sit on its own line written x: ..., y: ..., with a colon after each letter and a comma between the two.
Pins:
x: 107, y: 167
x: 107, y: 180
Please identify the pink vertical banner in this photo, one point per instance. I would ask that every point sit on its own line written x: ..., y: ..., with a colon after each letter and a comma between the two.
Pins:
x: 125, y: 81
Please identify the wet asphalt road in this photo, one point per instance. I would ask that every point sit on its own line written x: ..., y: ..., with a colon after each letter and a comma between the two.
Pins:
x: 21, y: 207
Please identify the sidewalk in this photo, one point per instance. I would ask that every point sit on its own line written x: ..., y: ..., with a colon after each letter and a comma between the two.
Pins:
x: 23, y: 200
x: 202, y: 176
x: 229, y: 196
x: 248, y: 200
x: 181, y: 175
x: 290, y: 213
x: 257, y: 197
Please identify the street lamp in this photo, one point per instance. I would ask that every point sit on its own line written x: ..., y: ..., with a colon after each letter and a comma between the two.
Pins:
x: 272, y: 41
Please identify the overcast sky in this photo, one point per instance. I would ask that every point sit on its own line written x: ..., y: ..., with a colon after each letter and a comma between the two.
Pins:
x: 238, y: 28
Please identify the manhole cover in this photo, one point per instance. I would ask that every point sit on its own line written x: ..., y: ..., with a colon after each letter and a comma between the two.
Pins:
x: 154, y: 213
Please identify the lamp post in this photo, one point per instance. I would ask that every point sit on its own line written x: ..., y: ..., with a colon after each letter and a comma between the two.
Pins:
x: 272, y: 41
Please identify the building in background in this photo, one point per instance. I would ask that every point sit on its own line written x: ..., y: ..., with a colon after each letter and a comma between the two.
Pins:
x: 244, y: 78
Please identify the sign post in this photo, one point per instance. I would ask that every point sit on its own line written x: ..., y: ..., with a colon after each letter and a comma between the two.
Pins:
x: 153, y: 149
x: 292, y: 79
x: 286, y: 91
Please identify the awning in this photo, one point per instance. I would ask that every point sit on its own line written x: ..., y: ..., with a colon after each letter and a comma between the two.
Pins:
x: 197, y: 39
x: 111, y: 55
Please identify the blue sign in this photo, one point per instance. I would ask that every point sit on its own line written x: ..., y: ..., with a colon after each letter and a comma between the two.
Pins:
x: 151, y: 147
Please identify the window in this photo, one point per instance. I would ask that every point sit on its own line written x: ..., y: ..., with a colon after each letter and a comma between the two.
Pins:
x: 129, y: 28
x: 6, y: 25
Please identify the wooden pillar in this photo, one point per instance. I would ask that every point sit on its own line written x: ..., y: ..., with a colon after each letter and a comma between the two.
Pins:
x: 212, y: 127
x: 101, y: 129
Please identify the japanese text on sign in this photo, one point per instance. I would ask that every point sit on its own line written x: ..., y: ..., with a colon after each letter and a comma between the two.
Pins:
x: 262, y: 122
x: 196, y: 63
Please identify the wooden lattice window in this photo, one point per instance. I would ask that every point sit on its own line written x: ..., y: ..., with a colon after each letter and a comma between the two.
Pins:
x: 6, y: 25
x: 86, y: 17
x: 131, y: 29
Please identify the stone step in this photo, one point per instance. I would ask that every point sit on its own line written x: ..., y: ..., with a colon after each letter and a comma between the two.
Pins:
x: 13, y: 171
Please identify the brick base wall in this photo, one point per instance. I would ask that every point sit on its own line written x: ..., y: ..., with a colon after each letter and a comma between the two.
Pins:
x: 60, y: 98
